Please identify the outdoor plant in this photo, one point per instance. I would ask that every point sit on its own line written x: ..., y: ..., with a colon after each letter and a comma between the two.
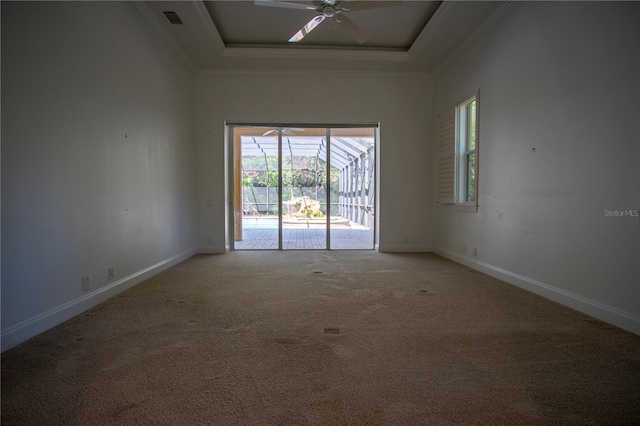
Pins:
x: 311, y: 212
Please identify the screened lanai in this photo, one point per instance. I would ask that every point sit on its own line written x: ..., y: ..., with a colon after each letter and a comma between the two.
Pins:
x: 315, y: 191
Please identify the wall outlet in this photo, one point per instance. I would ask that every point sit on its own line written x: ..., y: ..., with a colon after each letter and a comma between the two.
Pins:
x: 406, y: 239
x: 475, y: 251
x: 110, y: 273
x: 86, y: 283
x: 464, y: 249
x: 209, y: 241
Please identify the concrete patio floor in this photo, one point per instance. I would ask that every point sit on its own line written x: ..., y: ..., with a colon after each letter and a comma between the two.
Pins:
x: 262, y: 234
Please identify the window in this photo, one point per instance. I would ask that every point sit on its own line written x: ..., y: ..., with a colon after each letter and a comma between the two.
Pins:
x: 466, y: 142
x: 458, y: 155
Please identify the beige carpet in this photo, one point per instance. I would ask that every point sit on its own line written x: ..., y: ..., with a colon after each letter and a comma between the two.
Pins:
x: 240, y: 339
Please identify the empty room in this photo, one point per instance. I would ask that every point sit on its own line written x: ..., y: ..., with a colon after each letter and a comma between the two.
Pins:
x: 334, y: 212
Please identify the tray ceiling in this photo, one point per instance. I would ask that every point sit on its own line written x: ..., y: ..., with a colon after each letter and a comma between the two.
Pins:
x: 243, y: 23
x: 415, y: 36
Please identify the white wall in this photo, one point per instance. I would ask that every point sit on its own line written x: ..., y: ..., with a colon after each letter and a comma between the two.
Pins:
x: 563, y: 77
x: 401, y: 103
x: 78, y: 196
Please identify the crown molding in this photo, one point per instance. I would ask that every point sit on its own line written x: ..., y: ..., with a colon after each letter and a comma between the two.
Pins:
x: 280, y: 53
x: 163, y: 33
x: 475, y: 36
x: 431, y: 26
x: 315, y: 73
x: 205, y: 18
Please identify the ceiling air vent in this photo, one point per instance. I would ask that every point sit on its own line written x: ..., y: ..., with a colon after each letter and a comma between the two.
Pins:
x: 173, y: 18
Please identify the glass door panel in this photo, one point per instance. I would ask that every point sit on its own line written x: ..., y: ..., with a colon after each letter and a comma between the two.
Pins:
x: 304, y: 206
x: 256, y: 204
x: 352, y: 161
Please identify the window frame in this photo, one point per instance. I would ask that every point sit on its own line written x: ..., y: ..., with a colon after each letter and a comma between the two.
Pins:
x: 463, y: 152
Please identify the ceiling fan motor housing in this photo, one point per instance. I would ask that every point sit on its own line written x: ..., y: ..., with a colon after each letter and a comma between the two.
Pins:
x: 329, y: 11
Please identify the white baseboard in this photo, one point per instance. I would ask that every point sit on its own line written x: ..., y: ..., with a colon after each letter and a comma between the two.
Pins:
x: 404, y: 248
x: 31, y: 327
x: 608, y: 314
x: 213, y: 249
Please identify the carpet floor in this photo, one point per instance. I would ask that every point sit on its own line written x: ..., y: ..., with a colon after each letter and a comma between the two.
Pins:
x: 329, y: 338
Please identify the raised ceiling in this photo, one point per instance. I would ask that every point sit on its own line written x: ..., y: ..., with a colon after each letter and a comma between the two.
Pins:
x: 414, y: 36
x: 391, y: 24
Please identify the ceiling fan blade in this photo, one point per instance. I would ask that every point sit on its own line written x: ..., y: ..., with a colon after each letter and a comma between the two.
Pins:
x: 307, y: 29
x: 284, y: 4
x: 365, y: 5
x: 290, y: 131
x: 352, y: 29
x: 267, y: 133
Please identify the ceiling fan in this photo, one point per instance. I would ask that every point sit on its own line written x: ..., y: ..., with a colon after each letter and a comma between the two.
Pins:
x: 334, y: 9
x: 288, y: 131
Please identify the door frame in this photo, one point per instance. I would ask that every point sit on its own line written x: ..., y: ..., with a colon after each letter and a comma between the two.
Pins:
x: 229, y: 175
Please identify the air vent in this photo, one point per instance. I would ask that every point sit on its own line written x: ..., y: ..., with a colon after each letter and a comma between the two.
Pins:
x: 173, y: 18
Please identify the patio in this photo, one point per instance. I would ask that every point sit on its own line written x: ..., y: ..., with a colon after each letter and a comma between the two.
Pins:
x: 262, y: 234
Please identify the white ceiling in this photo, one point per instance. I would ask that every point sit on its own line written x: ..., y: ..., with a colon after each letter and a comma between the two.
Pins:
x: 415, y: 36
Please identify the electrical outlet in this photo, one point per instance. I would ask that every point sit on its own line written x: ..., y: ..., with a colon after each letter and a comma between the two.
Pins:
x: 209, y: 241
x: 464, y: 249
x: 86, y: 283
x: 475, y: 251
x: 110, y: 273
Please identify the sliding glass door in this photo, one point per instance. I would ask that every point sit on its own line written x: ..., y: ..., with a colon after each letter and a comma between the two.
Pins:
x: 256, y: 188
x: 303, y: 187
x: 304, y: 198
x: 352, y: 188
